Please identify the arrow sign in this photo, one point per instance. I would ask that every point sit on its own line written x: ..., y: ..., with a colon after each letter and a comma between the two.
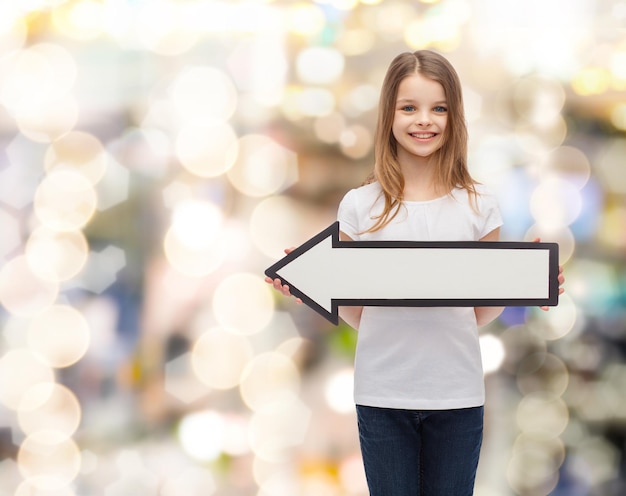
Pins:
x: 326, y: 273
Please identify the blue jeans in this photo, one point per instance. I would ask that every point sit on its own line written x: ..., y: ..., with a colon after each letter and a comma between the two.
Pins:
x: 420, y: 452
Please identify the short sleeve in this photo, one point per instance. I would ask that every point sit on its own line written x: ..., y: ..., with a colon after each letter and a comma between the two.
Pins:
x: 490, y: 212
x: 347, y: 215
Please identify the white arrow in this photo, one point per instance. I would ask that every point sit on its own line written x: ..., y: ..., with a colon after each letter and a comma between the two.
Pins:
x: 327, y: 273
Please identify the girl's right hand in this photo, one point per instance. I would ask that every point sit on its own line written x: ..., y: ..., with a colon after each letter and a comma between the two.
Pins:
x: 278, y: 285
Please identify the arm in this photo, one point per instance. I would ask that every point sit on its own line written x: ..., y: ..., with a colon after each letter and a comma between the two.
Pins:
x: 485, y: 315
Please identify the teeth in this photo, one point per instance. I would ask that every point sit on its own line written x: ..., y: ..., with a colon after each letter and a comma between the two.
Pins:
x: 423, y: 136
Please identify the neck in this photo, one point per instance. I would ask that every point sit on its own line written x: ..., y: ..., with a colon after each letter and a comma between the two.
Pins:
x: 419, y: 178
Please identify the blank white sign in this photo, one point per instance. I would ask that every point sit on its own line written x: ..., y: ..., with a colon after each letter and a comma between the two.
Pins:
x: 327, y: 273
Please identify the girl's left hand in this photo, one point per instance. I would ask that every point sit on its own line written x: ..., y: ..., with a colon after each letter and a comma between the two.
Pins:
x: 561, y: 277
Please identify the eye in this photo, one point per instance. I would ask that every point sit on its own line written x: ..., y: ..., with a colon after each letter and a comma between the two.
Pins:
x: 408, y: 108
x: 440, y: 109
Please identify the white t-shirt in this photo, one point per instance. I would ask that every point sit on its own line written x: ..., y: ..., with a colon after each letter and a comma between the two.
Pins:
x: 421, y: 358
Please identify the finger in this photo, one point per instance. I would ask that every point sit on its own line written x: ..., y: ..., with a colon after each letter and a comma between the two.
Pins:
x: 537, y: 240
x: 289, y: 250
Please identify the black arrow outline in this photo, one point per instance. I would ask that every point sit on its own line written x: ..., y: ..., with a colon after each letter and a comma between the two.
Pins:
x: 333, y: 232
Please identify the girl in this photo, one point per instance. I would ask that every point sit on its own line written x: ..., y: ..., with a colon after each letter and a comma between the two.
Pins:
x: 418, y: 382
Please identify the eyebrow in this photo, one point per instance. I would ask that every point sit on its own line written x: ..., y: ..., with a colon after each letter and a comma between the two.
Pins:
x: 411, y: 100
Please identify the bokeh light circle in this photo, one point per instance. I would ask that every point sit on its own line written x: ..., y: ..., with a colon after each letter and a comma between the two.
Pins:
x: 361, y: 99
x: 60, y: 335
x: 48, y: 120
x: 278, y: 427
x: 519, y: 341
x: 49, y: 460
x: 591, y: 80
x: 56, y: 256
x: 65, y: 201
x: 555, y: 203
x: 42, y: 112
x: 24, y: 70
x: 266, y: 472
x: 202, y: 434
x: 570, y: 164
x: 356, y: 141
x: 305, y: 18
x: 219, y: 357
x: 193, y: 261
x: 207, y: 149
x: 618, y: 116
x: 275, y: 224
x: 559, y: 320
x: 49, y: 406
x: 534, y: 465
x: 197, y: 223
x: 194, y: 244
x: 269, y: 377
x: 80, y: 152
x: 319, y: 65
x: 492, y: 352
x: 20, y: 370
x: 563, y: 236
x: 338, y: 391
x: 64, y: 67
x: 542, y: 372
x: 552, y: 445
x: 243, y: 303
x: 542, y: 415
x: 262, y: 166
x: 22, y: 291
x: 82, y: 20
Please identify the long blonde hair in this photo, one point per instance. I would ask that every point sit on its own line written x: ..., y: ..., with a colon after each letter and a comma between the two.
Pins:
x: 451, y: 158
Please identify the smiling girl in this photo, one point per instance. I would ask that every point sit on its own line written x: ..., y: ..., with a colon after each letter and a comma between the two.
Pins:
x: 419, y: 385
x: 418, y: 380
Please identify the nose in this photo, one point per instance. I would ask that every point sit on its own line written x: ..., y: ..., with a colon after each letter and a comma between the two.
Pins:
x: 423, y: 118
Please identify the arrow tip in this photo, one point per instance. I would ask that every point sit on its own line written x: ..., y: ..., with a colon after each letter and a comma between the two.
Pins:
x: 305, y: 265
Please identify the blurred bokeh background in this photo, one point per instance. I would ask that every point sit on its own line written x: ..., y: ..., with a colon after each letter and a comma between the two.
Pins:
x: 157, y: 155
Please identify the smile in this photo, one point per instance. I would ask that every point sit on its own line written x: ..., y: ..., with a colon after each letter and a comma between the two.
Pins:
x: 423, y: 135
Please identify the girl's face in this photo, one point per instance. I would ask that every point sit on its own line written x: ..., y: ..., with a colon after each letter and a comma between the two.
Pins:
x: 420, y: 118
